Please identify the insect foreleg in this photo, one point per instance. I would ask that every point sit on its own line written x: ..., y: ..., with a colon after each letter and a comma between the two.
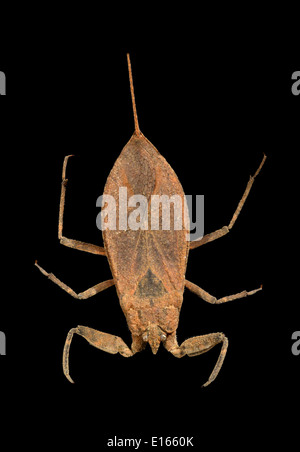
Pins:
x: 82, y: 246
x: 83, y: 295
x: 201, y: 344
x: 104, y: 341
x: 211, y: 299
x: 223, y: 231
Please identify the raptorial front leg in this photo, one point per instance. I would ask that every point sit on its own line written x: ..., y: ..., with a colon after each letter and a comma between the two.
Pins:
x: 104, y: 341
x: 211, y: 299
x: 82, y: 246
x: 82, y: 295
x: 197, y: 345
x: 223, y: 231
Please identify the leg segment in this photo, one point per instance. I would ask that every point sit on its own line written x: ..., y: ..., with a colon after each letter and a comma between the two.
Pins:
x: 210, y: 299
x: 83, y: 295
x: 104, y: 341
x: 201, y: 344
x: 88, y: 247
x: 223, y: 231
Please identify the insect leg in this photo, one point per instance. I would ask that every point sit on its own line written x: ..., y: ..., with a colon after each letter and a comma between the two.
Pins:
x: 197, y: 345
x: 82, y: 246
x: 211, y: 299
x: 223, y: 231
x: 83, y: 295
x: 104, y: 341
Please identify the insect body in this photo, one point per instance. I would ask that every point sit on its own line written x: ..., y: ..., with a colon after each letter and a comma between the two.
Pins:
x: 148, y: 266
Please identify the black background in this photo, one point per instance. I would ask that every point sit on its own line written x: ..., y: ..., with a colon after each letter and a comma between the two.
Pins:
x: 212, y: 98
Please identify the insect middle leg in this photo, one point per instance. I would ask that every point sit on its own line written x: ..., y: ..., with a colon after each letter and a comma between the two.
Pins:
x: 83, y: 295
x: 82, y: 246
x: 223, y: 231
x: 104, y: 341
x: 197, y: 345
x: 211, y: 299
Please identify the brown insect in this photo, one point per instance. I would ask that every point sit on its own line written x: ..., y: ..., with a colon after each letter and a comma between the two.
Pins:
x: 148, y: 266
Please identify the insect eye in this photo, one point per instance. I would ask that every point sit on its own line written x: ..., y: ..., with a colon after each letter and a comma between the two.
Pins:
x: 163, y: 337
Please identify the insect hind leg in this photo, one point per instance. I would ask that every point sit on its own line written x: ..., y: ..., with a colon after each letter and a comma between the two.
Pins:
x: 225, y: 229
x: 76, y: 244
